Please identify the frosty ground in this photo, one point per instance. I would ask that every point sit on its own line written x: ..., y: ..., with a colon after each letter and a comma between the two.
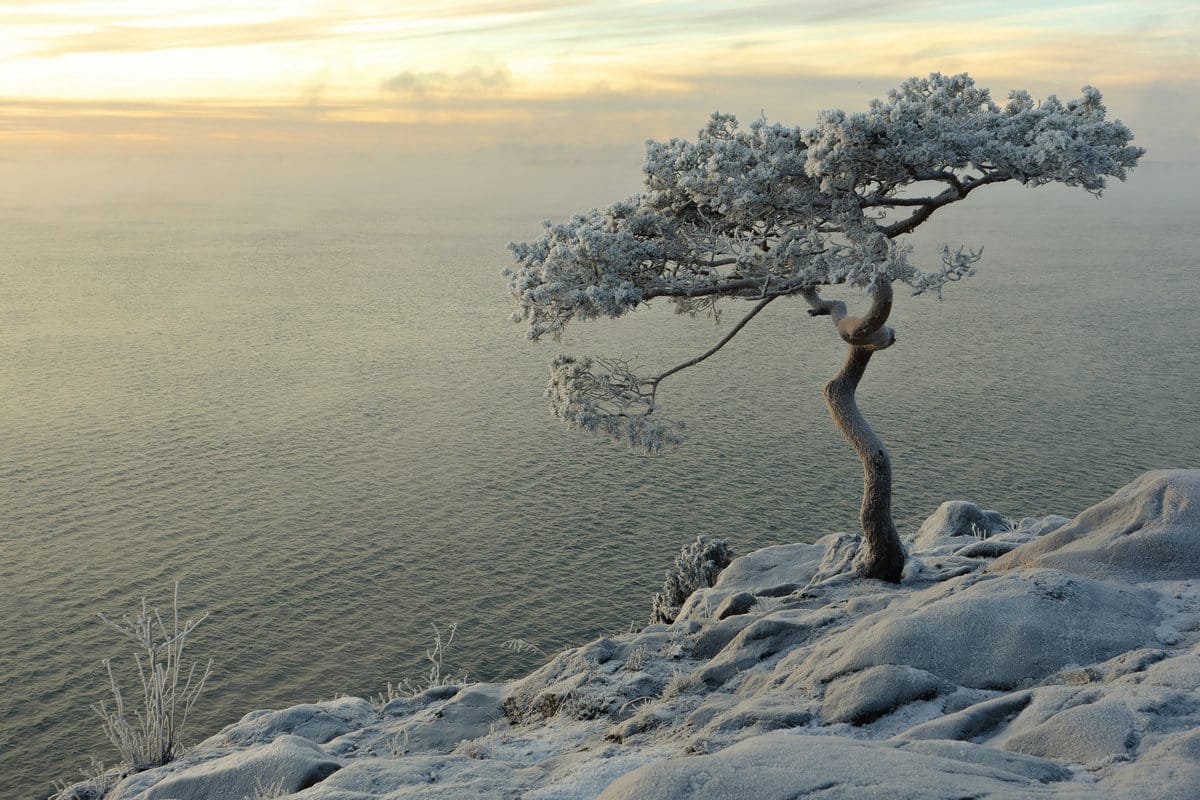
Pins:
x: 1049, y: 657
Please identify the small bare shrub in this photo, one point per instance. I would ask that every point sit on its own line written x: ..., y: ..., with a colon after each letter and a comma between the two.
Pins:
x: 681, y: 683
x: 268, y: 791
x: 398, y: 744
x: 97, y: 782
x: 484, y: 747
x: 435, y: 677
x: 151, y: 736
x: 696, y: 567
x: 637, y: 658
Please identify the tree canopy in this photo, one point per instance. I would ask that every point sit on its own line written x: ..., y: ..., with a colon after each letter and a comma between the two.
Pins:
x: 774, y: 211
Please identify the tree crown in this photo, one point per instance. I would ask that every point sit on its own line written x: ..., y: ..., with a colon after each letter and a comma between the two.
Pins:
x: 774, y: 211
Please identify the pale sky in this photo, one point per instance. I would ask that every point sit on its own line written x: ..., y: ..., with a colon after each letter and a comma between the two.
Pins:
x: 556, y: 74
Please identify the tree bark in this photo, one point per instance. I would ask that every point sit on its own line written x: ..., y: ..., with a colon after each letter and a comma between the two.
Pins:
x: 882, y: 556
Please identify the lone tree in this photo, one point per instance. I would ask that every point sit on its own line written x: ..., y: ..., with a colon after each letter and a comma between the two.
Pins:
x: 778, y: 212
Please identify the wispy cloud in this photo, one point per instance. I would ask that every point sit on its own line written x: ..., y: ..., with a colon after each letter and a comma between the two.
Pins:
x: 475, y: 80
x: 144, y: 38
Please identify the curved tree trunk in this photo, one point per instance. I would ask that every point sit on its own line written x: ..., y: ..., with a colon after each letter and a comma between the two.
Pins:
x: 883, y: 555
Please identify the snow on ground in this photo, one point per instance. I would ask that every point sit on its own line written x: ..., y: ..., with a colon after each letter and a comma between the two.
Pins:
x: 1047, y: 658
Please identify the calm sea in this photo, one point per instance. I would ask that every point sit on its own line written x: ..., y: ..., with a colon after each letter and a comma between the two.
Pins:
x: 296, y: 391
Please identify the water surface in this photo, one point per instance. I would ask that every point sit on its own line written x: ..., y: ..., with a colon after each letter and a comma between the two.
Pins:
x: 299, y: 395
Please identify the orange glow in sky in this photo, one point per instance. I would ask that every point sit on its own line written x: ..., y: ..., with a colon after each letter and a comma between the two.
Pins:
x: 469, y: 73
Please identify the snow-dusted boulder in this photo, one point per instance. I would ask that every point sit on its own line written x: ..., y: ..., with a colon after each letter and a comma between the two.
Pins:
x: 422, y: 777
x: 1073, y: 724
x: 606, y: 677
x: 769, y: 572
x: 430, y: 726
x: 957, y: 518
x: 728, y: 717
x: 1148, y: 531
x: 317, y: 722
x: 288, y: 764
x: 1038, y: 769
x: 1116, y: 719
x: 765, y: 638
x: 1168, y: 770
x: 780, y: 766
x: 988, y: 631
x: 864, y: 696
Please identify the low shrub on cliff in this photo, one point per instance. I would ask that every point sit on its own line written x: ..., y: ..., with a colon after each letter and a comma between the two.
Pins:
x: 696, y: 567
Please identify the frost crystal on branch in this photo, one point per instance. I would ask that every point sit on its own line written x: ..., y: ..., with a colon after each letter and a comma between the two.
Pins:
x: 956, y: 265
x: 613, y: 402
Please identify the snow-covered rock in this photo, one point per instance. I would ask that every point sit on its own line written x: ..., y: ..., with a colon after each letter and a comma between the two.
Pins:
x: 987, y: 631
x: 957, y: 518
x: 875, y: 691
x: 317, y: 723
x: 287, y: 765
x: 783, y: 766
x: 1046, y: 658
x: 1147, y: 531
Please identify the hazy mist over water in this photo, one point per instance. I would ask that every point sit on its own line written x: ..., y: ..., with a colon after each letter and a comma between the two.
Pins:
x: 296, y: 391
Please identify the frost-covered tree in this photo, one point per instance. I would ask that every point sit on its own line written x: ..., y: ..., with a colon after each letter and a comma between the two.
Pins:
x: 780, y: 212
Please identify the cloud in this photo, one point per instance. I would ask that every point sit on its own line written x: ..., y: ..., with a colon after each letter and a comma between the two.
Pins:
x: 475, y: 80
x: 483, y: 116
x: 141, y: 39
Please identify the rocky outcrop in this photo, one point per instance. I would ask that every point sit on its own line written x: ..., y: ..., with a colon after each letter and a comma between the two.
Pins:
x: 1144, y: 532
x: 1042, y: 658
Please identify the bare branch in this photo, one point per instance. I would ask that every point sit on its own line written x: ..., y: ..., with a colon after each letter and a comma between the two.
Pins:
x: 724, y: 340
x: 953, y: 194
x: 738, y: 288
x: 883, y: 201
x: 943, y: 176
x: 860, y: 330
x: 865, y: 331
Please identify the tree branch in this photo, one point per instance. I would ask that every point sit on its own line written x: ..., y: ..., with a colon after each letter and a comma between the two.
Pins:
x: 860, y: 330
x: 865, y: 331
x: 944, y: 177
x: 955, y: 192
x: 889, y: 202
x: 732, y: 287
x: 724, y: 340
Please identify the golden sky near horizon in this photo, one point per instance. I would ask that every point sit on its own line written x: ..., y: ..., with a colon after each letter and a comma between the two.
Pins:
x: 474, y: 74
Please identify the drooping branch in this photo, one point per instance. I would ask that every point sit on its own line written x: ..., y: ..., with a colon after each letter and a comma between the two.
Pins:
x: 724, y: 340
x: 615, y: 402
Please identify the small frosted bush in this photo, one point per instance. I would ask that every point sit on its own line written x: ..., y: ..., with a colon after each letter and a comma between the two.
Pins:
x: 435, y: 677
x: 150, y: 735
x: 696, y: 567
x: 97, y: 782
